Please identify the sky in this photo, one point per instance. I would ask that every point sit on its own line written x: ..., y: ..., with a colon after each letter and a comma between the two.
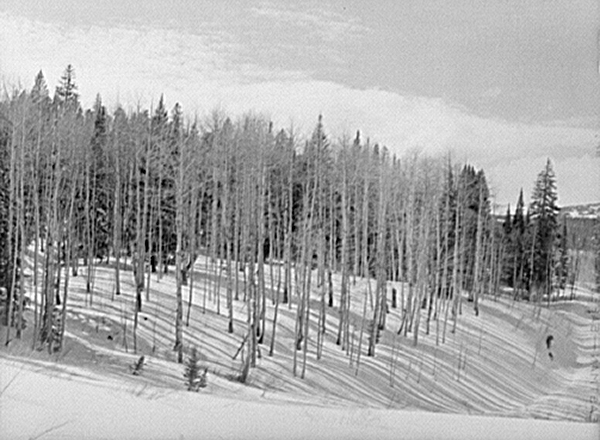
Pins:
x: 502, y: 84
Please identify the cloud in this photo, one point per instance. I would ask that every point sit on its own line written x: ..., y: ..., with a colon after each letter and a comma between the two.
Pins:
x: 134, y: 65
x: 328, y: 26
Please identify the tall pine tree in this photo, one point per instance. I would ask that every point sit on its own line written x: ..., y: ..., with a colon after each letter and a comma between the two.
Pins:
x: 5, y: 239
x: 544, y: 223
x: 66, y: 92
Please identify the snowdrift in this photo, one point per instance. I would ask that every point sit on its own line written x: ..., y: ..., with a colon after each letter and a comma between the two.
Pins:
x: 497, y: 366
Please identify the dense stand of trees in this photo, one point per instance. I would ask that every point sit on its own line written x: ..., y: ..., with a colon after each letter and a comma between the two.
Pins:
x: 536, y: 243
x: 157, y: 189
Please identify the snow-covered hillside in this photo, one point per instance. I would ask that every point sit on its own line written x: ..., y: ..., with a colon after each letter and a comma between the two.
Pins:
x: 590, y: 210
x: 496, y: 367
x: 56, y: 401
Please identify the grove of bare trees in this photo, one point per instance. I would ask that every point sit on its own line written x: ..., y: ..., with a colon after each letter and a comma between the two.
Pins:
x: 157, y: 189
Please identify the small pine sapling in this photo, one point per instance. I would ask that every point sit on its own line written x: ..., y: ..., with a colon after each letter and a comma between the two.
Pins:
x: 138, y: 366
x: 202, y: 380
x: 193, y: 378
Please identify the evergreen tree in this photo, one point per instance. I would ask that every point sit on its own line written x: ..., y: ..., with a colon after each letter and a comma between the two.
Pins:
x: 544, y: 224
x: 194, y: 379
x: 66, y: 92
x: 562, y: 257
x: 448, y: 218
x: 519, y: 244
x: 475, y: 203
x: 247, y: 196
x: 507, y: 225
x: 100, y: 184
x: 39, y: 92
x: 519, y: 217
x: 5, y: 240
x: 509, y: 249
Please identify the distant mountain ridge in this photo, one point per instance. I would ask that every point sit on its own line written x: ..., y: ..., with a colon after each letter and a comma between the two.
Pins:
x: 588, y: 210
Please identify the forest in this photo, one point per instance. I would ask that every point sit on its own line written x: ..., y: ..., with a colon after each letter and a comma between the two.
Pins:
x: 148, y: 191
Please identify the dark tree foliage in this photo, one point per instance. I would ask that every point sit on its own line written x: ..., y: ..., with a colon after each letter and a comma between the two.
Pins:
x: 6, y: 261
x: 475, y: 202
x: 562, y: 256
x: 100, y: 185
x: 448, y: 217
x: 544, y: 212
x: 516, y: 239
x: 39, y: 91
x: 66, y: 92
x: 142, y: 183
x: 195, y: 378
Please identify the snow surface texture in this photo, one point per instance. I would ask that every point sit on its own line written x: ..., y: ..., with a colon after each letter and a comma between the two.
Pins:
x: 73, y: 403
x: 496, y: 366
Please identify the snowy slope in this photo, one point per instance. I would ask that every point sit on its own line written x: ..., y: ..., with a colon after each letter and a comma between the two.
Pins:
x: 589, y: 210
x: 496, y: 365
x: 43, y: 400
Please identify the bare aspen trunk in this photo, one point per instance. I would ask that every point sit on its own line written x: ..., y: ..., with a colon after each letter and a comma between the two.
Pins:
x: 237, y: 254
x: 214, y: 223
x: 227, y: 239
x: 435, y: 296
x: 455, y: 267
x: 275, y: 314
x: 342, y: 337
x: 422, y: 264
x: 142, y: 217
x: 410, y: 264
x: 261, y: 252
x: 362, y: 329
x: 356, y: 233
x: 88, y: 236
x: 51, y: 242
x: 531, y: 263
x: 196, y: 213
x: 322, y: 312
x: 148, y: 245
x: 68, y: 248
x: 289, y: 218
x: 365, y: 233
x: 178, y: 263
x: 117, y: 220
x: 162, y: 259
x: 306, y: 319
x: 12, y: 239
x: 36, y: 172
x: 478, y: 254
x: 380, y: 268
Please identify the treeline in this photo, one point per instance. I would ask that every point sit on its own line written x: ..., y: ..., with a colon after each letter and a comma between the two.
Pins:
x: 543, y: 247
x: 155, y: 189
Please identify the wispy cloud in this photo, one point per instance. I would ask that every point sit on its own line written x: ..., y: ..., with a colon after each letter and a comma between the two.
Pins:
x: 318, y: 30
x: 203, y: 70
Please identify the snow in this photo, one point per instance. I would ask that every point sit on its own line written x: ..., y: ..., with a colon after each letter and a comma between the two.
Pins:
x: 65, y: 402
x: 492, y: 378
x: 588, y: 211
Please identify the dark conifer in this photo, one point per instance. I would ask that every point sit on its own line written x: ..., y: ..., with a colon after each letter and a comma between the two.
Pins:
x: 544, y: 216
x: 507, y: 225
x: 194, y: 379
x: 66, y: 92
x: 100, y: 186
x: 5, y: 241
x: 39, y: 91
